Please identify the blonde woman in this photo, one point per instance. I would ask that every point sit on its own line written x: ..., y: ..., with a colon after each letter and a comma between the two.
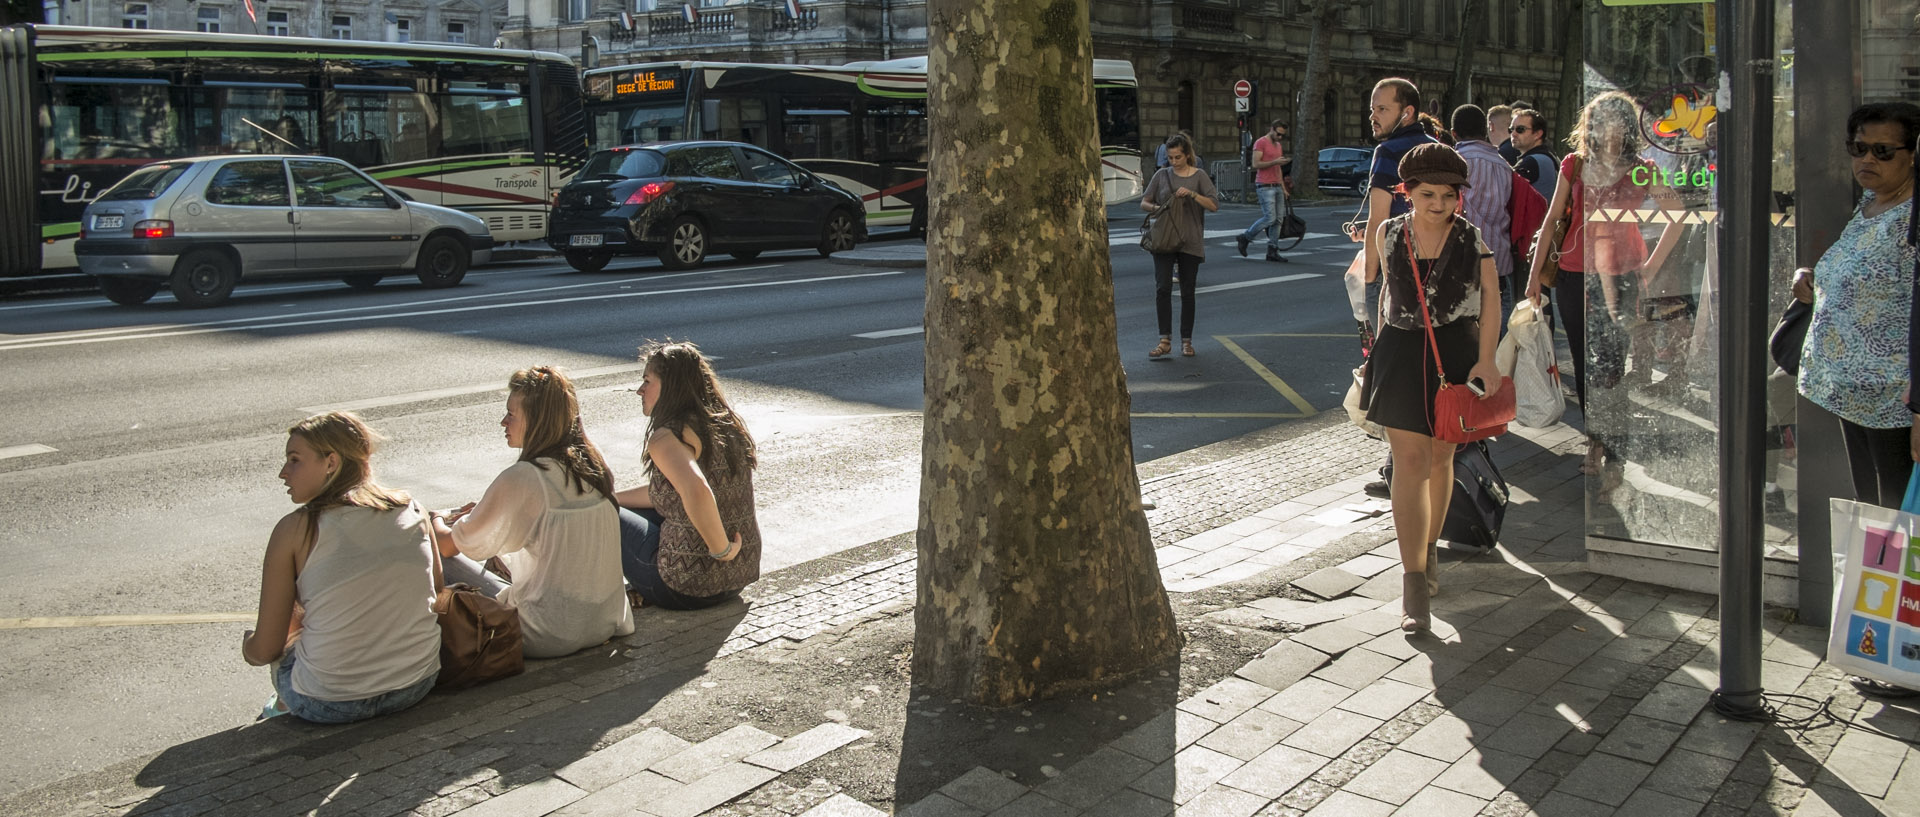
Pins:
x: 346, y: 591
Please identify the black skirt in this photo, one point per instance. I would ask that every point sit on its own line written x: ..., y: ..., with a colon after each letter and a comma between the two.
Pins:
x: 1400, y: 384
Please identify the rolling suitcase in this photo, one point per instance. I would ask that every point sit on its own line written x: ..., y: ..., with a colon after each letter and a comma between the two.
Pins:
x: 1479, y: 499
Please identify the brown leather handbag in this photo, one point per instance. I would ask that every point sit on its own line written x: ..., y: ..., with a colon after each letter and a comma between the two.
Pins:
x: 479, y: 638
x: 1550, y: 272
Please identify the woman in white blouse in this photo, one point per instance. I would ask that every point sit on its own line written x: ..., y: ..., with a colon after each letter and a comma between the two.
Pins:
x: 551, y: 521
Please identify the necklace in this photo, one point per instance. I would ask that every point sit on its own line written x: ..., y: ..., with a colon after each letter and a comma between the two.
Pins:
x: 1430, y: 247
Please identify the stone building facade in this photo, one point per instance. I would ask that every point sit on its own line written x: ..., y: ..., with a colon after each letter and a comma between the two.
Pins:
x: 473, y: 22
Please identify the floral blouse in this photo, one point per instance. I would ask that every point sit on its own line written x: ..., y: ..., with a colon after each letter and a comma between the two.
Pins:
x: 1854, y: 363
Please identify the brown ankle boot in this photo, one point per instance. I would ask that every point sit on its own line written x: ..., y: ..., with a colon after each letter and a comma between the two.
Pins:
x: 1415, y: 605
x: 1433, y: 568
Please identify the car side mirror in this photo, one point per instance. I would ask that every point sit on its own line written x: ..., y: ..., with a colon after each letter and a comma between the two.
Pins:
x: 403, y: 195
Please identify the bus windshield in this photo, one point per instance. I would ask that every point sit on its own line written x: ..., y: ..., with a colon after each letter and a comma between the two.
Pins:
x: 632, y: 126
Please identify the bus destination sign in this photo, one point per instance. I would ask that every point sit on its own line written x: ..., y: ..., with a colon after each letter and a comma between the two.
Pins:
x: 646, y: 82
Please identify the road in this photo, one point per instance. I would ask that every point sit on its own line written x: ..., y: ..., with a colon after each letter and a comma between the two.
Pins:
x: 138, y: 462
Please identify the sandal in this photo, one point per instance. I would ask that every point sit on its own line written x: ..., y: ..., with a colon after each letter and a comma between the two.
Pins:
x: 1165, y: 346
x: 1186, y: 347
x: 1596, y: 459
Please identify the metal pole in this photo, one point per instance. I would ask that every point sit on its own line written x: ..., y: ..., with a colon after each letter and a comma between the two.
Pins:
x: 1746, y: 139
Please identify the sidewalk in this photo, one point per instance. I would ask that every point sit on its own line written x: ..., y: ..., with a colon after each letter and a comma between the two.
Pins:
x: 1544, y: 690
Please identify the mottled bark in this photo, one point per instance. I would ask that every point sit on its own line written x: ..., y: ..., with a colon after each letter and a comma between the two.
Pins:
x: 1309, y: 132
x: 1036, y: 572
x: 1573, y: 72
x: 1473, y: 25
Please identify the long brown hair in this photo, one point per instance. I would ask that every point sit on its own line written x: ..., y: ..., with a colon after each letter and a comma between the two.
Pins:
x: 554, y: 430
x: 344, y: 434
x: 691, y: 399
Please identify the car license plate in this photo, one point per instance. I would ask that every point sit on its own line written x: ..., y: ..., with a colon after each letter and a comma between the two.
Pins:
x: 594, y: 240
x: 106, y: 222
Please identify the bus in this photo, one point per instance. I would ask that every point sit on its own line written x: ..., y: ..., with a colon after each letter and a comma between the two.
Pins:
x: 862, y: 125
x: 489, y: 131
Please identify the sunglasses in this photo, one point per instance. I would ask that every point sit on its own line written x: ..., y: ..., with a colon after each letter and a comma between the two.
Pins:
x: 1519, y: 129
x: 1883, y: 152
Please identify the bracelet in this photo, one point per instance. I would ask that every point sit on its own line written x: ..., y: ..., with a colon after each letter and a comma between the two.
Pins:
x: 731, y: 547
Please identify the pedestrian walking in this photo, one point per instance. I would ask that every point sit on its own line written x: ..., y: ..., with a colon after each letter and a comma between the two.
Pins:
x: 1269, y: 185
x: 1183, y: 192
x: 1491, y: 178
x: 1604, y: 171
x: 1499, y: 119
x: 1439, y: 283
x: 689, y: 538
x: 1536, y: 164
x: 346, y: 593
x: 550, y: 520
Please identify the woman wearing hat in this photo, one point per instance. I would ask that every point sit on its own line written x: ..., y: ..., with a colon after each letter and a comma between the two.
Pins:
x: 1435, y: 265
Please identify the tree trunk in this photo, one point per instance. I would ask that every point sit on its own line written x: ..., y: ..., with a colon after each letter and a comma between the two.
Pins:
x: 1037, y: 575
x: 1473, y: 24
x: 1309, y: 132
x: 1573, y: 71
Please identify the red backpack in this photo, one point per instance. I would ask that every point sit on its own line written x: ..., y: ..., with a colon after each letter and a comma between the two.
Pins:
x: 1525, y: 211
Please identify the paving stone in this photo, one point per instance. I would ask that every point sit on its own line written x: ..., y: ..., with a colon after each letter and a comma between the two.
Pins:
x: 1530, y: 674
x: 1332, y: 638
x: 841, y: 805
x: 1281, y: 666
x: 1396, y: 778
x: 1322, y: 613
x: 1374, y: 622
x: 1357, y: 669
x: 1483, y: 773
x: 1529, y: 734
x: 1222, y: 801
x: 1436, y: 802
x: 540, y: 797
x: 1828, y: 801
x: 1605, y: 779
x: 1383, y: 587
x: 1383, y: 699
x: 1276, y: 771
x: 803, y: 748
x: 1348, y: 804
x: 1307, y: 699
x: 727, y: 782
x: 1367, y: 565
x: 704, y: 757
x: 628, y: 757
x: 940, y: 805
x: 1445, y: 738
x: 1562, y: 804
x: 1332, y: 733
x: 1673, y: 702
x: 982, y: 788
x: 1034, y: 804
x: 1168, y: 732
x: 1132, y: 803
x: 1094, y: 777
x: 1690, y: 775
x: 1188, y: 774
x: 1255, y: 731
x: 1226, y: 699
x: 1864, y: 762
x: 1329, y: 582
x: 1642, y: 739
x: 1489, y: 705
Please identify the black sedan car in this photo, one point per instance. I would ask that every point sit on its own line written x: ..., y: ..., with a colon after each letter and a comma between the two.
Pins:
x: 1344, y: 169
x: 683, y: 200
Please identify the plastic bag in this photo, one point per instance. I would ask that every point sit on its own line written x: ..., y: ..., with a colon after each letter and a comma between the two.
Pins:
x: 1357, y: 414
x: 1357, y: 286
x: 1526, y: 355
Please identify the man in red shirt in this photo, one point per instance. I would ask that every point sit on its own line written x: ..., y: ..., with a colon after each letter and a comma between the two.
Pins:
x: 1268, y: 184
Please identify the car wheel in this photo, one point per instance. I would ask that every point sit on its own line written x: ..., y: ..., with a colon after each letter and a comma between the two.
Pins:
x: 686, y: 244
x: 129, y: 291
x: 745, y: 255
x: 588, y: 261
x: 362, y: 282
x: 443, y: 261
x: 203, y: 278
x: 837, y: 236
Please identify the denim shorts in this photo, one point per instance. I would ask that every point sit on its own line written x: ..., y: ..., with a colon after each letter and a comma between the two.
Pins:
x: 318, y: 711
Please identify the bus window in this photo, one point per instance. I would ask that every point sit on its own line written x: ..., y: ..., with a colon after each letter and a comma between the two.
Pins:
x: 484, y: 120
x: 817, y: 128
x: 633, y: 126
x: 894, y: 131
x: 112, y: 118
x: 1119, y: 120
x: 363, y: 124
x: 736, y: 119
x: 255, y: 117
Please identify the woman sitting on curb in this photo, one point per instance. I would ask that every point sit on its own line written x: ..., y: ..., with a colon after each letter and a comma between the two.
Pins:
x: 690, y: 540
x: 346, y: 592
x: 550, y: 519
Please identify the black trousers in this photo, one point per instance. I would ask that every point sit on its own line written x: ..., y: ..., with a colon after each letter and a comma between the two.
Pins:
x: 1570, y: 294
x: 1163, y: 291
x: 1881, y: 462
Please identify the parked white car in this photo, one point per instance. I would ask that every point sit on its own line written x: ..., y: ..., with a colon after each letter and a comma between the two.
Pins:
x: 199, y: 225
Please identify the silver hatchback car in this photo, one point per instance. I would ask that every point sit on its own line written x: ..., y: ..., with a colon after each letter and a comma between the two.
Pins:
x: 198, y: 225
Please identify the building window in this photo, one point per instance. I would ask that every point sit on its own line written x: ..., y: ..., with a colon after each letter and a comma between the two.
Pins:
x: 403, y: 30
x: 208, y: 20
x: 342, y: 27
x: 135, y: 16
x: 279, y: 24
x: 456, y: 32
x: 576, y: 10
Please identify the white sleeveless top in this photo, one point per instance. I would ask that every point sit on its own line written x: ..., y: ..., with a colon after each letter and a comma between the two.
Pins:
x: 367, y: 588
x: 562, y: 545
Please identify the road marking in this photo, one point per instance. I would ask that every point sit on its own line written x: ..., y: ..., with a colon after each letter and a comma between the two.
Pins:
x: 27, y: 450
x: 892, y: 333
x: 251, y: 290
x: 1257, y: 282
x: 49, y: 622
x: 1286, y: 391
x: 1203, y: 415
x: 283, y: 324
x: 458, y: 391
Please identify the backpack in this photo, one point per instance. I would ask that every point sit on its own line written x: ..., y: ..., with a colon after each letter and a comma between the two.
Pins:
x: 1479, y: 505
x: 1525, y: 212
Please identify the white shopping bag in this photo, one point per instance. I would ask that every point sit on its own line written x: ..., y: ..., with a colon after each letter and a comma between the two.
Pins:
x: 1526, y: 355
x: 1352, y: 404
x: 1876, y: 613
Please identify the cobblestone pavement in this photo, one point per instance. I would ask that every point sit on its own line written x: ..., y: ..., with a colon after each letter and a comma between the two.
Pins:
x: 1544, y: 690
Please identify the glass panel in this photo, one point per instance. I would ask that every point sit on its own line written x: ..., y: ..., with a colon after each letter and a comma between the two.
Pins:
x: 249, y: 184
x: 325, y: 184
x: 477, y: 124
x: 738, y: 119
x: 769, y: 170
x: 817, y: 128
x: 895, y: 131
x: 713, y: 163
x: 109, y: 119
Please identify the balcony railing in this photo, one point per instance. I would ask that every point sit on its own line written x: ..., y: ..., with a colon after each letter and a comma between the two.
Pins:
x: 808, y: 20
x: 712, y: 22
x: 1212, y: 20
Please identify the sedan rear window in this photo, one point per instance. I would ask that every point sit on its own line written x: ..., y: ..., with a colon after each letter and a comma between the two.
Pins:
x: 146, y: 183
x: 625, y: 164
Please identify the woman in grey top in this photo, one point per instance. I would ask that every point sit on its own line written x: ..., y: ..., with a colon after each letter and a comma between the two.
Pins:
x: 1179, y: 191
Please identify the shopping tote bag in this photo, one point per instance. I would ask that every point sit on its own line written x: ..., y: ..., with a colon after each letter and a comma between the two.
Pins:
x: 1876, y: 571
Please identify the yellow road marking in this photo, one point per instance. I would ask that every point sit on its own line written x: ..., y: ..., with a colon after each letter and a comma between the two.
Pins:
x: 1286, y: 391
x: 50, y: 622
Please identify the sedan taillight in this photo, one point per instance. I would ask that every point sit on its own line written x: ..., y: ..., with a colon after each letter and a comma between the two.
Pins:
x: 649, y: 192
x: 153, y: 228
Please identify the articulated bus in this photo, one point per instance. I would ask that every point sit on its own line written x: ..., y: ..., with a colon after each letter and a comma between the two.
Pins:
x: 489, y: 131
x: 862, y: 125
